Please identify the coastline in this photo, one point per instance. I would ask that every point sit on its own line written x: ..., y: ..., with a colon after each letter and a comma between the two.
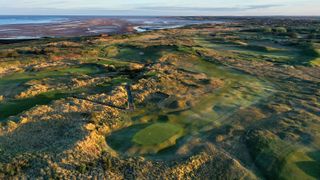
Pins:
x: 91, y: 26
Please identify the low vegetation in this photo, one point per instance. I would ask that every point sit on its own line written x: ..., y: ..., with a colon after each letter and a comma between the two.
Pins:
x: 220, y: 101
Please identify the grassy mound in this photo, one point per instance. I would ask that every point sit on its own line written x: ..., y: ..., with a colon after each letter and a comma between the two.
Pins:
x: 278, y: 159
x: 315, y: 62
x: 156, y: 134
x: 301, y: 164
x: 315, y: 51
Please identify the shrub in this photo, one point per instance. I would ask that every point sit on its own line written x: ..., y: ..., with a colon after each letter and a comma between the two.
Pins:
x: 50, y: 50
x: 280, y: 30
x: 112, y: 51
x: 82, y: 168
x: 91, y: 52
x: 29, y: 50
x: 294, y: 35
x: 107, y: 163
x: 312, y: 36
x: 55, y: 58
x: 310, y: 50
x: 9, y: 53
x: 267, y: 30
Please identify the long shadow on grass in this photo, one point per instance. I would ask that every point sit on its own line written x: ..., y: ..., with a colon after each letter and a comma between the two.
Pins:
x: 311, y: 168
x: 15, y: 107
x: 122, y: 140
x: 14, y: 80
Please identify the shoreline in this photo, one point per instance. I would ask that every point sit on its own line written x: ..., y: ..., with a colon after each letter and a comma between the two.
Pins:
x: 91, y: 26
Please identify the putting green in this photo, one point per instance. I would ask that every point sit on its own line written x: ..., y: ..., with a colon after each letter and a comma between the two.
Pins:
x: 157, y: 134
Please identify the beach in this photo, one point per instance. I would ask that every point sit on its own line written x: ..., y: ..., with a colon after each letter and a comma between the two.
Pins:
x: 35, y: 27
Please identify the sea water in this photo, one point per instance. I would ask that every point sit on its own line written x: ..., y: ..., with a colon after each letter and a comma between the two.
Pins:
x: 8, y: 20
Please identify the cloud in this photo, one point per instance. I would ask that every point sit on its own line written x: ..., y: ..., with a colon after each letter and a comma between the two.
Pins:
x: 160, y: 7
x: 223, y: 9
x: 265, y: 6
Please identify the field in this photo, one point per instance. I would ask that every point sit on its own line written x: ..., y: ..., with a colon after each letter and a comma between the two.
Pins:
x: 236, y: 100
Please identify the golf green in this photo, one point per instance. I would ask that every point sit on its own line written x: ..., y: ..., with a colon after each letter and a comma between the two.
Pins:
x: 156, y: 134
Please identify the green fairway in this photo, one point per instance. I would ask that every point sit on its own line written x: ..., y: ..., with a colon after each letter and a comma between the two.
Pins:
x: 139, y: 54
x: 13, y: 84
x: 156, y: 134
x: 249, y: 48
x: 15, y: 107
x: 47, y: 73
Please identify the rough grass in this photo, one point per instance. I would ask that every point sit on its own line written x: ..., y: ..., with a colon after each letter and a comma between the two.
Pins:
x: 156, y: 134
x: 154, y: 129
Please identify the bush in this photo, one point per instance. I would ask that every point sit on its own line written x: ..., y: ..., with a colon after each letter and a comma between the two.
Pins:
x: 50, y: 50
x: 112, y: 51
x: 267, y: 30
x: 107, y: 163
x: 294, y: 35
x: 310, y: 50
x: 82, y: 168
x: 29, y: 50
x: 312, y: 36
x: 9, y: 53
x: 280, y: 30
x: 91, y: 52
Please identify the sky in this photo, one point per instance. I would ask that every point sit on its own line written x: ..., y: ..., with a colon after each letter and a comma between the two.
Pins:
x: 161, y: 7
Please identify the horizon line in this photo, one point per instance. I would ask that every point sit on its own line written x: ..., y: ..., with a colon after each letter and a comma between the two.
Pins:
x: 162, y: 15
